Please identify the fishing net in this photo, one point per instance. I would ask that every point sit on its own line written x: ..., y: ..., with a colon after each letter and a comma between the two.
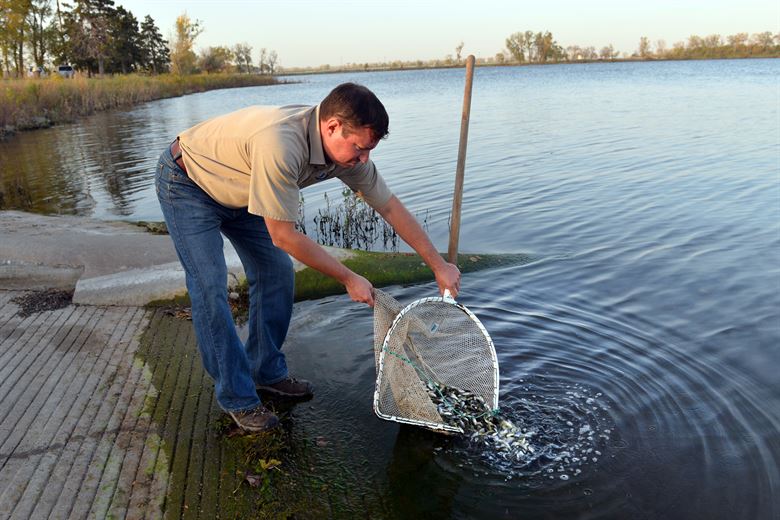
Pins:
x: 433, y: 357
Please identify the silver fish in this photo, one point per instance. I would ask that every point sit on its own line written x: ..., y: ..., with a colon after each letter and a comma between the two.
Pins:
x: 468, y: 411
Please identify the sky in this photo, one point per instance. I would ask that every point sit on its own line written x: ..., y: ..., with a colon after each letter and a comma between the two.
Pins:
x: 336, y: 32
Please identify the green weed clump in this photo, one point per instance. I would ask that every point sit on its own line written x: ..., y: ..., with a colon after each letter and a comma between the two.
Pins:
x: 35, y: 103
x: 352, y: 224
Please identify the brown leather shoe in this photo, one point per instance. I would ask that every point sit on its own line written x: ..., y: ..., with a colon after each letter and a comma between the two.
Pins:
x: 290, y: 387
x: 258, y: 419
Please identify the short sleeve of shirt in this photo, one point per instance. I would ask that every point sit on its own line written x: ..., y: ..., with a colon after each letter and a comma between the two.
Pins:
x: 364, y: 179
x: 273, y: 186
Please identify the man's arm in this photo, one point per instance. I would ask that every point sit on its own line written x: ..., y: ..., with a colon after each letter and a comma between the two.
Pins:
x: 304, y: 249
x: 404, y: 223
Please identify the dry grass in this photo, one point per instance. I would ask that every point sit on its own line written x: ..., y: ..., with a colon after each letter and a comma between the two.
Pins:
x: 34, y: 103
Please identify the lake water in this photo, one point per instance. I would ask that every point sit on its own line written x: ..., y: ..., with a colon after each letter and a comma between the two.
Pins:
x: 643, y: 344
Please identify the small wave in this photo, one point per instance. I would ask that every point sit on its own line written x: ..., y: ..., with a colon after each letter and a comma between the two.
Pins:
x: 567, y: 426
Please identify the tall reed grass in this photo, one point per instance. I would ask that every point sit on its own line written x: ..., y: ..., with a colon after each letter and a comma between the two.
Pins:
x: 35, y: 103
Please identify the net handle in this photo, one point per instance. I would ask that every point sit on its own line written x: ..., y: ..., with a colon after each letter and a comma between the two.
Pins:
x: 448, y: 296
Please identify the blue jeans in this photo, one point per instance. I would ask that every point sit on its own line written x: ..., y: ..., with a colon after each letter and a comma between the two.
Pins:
x: 196, y: 223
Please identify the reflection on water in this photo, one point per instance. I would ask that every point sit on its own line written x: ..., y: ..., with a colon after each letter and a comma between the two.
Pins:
x: 85, y: 169
x: 644, y: 344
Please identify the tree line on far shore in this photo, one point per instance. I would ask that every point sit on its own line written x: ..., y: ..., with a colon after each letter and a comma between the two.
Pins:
x: 97, y: 37
x: 531, y: 47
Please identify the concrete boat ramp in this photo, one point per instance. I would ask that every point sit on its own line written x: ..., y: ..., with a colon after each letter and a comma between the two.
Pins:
x: 73, y: 430
x: 105, y: 410
x: 103, y: 400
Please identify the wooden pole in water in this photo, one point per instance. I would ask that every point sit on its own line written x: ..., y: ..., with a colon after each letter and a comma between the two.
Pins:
x: 457, y: 199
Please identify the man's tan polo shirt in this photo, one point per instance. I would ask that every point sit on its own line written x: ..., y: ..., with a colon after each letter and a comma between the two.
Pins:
x: 260, y: 157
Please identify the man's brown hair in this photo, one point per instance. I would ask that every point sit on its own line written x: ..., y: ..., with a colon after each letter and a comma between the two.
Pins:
x: 356, y: 107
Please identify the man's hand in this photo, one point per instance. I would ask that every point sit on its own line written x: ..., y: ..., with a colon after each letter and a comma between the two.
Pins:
x: 448, y: 277
x: 360, y: 289
x: 287, y: 238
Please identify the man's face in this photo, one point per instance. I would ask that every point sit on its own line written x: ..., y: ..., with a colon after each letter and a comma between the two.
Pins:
x: 346, y: 151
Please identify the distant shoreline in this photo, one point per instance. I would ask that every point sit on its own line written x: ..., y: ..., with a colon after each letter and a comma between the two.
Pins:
x: 409, y: 67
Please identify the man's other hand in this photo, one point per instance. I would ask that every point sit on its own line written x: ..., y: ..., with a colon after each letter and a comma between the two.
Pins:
x: 360, y: 290
x: 448, y: 277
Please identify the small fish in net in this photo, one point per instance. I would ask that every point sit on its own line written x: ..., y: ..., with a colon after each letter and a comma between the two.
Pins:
x: 469, y: 412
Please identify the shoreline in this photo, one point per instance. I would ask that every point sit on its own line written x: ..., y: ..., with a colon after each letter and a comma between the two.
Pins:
x: 410, y: 66
x: 36, y: 103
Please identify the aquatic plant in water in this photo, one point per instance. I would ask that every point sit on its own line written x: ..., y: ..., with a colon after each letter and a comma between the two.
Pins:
x: 352, y: 224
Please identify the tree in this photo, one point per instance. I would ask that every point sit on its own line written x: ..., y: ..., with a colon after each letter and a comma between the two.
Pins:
x: 539, y: 47
x: 660, y: 48
x: 695, y: 42
x: 590, y: 53
x: 262, y: 62
x: 737, y: 40
x: 74, y: 48
x: 64, y: 48
x: 183, y: 57
x: 40, y: 35
x: 216, y: 59
x: 98, y: 17
x: 13, y: 26
x: 764, y: 39
x: 88, y: 27
x: 154, y: 49
x: 528, y: 46
x: 713, y: 41
x: 272, y: 60
x: 243, y: 55
x: 127, y: 40
x: 458, y: 50
x: 644, y: 47
x: 547, y: 48
x: 608, y: 53
x: 515, y: 44
x: 678, y: 50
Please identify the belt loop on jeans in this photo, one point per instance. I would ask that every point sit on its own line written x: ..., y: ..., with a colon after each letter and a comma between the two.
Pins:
x: 176, y: 153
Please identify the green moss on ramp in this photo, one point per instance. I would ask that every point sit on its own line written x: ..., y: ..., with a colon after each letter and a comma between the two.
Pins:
x: 383, y: 269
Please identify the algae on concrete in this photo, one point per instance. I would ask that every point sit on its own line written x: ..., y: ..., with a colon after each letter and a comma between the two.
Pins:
x: 383, y: 269
x: 201, y: 467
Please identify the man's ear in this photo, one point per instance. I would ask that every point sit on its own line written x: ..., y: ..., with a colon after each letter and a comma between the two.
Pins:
x: 332, y: 125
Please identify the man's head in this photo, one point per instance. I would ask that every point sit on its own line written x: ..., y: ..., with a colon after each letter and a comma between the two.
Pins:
x: 352, y: 121
x: 356, y: 107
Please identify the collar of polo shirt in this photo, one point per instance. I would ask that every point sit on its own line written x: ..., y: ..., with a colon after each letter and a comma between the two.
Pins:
x: 316, y: 152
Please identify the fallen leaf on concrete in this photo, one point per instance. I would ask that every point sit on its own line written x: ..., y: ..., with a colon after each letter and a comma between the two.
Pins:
x: 253, y: 480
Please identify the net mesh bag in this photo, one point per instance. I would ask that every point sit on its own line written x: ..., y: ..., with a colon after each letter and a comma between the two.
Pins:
x: 423, y: 349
